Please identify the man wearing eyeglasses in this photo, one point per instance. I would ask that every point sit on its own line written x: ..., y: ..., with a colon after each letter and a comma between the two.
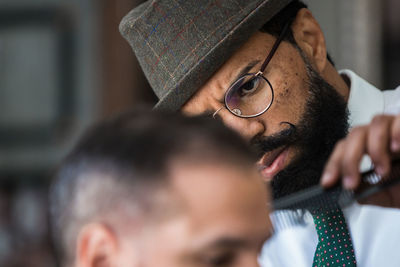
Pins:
x: 262, y: 68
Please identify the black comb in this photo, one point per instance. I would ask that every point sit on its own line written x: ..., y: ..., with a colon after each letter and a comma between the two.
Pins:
x: 291, y: 210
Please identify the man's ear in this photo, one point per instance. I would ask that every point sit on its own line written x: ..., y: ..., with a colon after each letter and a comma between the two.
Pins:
x: 310, y: 38
x: 96, y: 246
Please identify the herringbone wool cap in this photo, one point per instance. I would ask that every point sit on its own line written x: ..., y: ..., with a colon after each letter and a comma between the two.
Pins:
x: 181, y: 43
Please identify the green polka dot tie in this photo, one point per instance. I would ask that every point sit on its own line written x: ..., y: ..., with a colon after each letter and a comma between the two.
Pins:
x: 334, y: 246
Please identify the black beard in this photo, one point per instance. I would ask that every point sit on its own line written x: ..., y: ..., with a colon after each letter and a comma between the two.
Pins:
x: 323, y: 123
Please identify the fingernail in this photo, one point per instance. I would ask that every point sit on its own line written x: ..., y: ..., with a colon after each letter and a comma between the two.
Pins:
x: 326, y: 177
x: 348, y: 182
x: 379, y: 170
x: 395, y: 146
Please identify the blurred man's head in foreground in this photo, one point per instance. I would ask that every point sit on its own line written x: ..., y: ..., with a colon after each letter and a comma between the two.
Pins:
x: 147, y: 189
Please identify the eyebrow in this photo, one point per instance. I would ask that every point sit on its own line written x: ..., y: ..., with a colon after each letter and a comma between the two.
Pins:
x: 221, y: 243
x: 246, y: 69
x: 227, y: 242
x: 231, y: 242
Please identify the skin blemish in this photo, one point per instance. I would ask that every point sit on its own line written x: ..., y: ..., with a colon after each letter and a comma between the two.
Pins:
x: 284, y: 94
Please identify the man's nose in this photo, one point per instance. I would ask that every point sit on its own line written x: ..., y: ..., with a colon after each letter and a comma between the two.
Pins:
x: 247, y: 127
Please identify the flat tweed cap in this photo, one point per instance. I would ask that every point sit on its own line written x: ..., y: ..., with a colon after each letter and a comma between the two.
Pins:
x: 181, y: 43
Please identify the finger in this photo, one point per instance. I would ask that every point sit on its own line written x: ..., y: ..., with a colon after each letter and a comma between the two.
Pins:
x: 355, y: 149
x: 395, y: 135
x: 331, y: 173
x: 378, y: 143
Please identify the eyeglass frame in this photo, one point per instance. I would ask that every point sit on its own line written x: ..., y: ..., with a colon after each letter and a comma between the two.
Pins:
x: 257, y: 74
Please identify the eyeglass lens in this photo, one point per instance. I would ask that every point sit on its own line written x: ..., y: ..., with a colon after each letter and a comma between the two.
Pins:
x: 250, y: 95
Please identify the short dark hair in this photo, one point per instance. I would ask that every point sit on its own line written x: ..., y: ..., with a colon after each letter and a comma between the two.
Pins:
x: 127, y: 152
x: 288, y: 14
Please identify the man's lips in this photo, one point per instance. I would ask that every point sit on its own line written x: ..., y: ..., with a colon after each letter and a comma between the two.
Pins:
x: 272, y: 162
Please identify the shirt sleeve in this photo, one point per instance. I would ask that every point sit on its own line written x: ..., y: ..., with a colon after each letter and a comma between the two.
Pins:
x: 392, y: 101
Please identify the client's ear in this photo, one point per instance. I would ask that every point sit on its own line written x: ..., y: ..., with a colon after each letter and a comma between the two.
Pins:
x: 96, y: 246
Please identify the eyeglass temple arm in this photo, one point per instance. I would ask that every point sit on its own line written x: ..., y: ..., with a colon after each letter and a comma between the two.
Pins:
x: 273, y: 50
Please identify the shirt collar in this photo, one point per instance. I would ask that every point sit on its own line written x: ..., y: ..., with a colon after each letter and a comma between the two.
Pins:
x: 365, y: 100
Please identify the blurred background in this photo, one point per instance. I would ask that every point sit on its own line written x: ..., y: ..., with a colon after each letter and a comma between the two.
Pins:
x: 64, y: 65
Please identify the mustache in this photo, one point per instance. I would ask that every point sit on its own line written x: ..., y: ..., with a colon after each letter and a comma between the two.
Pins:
x: 263, y: 144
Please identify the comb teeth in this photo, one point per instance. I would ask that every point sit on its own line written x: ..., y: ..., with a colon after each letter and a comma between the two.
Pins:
x: 318, y: 197
x: 283, y: 219
x: 313, y: 198
x: 291, y: 210
x: 372, y: 178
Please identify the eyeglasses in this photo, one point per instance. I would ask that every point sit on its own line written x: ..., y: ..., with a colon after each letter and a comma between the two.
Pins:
x: 252, y: 94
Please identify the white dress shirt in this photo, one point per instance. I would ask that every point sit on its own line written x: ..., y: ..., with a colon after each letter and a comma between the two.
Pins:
x: 375, y: 231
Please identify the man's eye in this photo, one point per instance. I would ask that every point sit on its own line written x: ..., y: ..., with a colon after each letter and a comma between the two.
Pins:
x: 249, y: 87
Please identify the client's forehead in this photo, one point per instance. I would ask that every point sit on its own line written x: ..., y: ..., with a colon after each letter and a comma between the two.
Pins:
x: 214, y: 190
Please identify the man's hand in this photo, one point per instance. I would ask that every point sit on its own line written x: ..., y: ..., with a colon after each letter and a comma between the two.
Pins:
x: 381, y: 141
